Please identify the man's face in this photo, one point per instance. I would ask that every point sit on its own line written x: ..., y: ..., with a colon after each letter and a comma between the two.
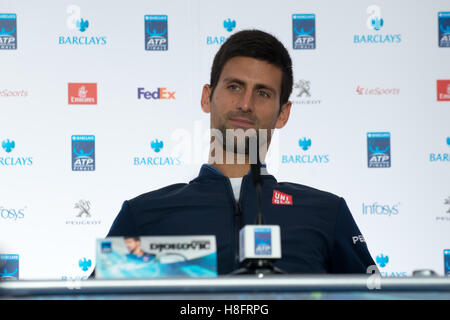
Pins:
x: 246, y: 96
x: 132, y: 244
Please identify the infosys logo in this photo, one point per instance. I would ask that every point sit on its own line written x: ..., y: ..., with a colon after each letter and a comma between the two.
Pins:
x: 12, y: 213
x: 159, y: 93
x: 377, y: 209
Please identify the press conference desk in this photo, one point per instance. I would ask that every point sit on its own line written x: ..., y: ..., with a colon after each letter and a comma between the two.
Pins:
x: 284, y: 287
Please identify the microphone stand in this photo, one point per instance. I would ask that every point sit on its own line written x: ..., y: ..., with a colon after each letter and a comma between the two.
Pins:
x: 258, y: 266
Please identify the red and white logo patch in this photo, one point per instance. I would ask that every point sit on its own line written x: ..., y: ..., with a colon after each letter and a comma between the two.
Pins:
x: 281, y: 198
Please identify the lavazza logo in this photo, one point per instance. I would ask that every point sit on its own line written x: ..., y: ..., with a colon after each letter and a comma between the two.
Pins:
x: 83, y: 214
x: 160, y: 159
x: 11, y: 159
x: 375, y: 23
x: 80, y: 25
x: 304, y: 156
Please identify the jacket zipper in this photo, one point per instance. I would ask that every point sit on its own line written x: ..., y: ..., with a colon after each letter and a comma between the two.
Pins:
x: 237, y: 219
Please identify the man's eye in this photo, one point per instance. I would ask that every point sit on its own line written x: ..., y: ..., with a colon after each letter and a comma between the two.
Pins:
x: 263, y: 94
x: 233, y: 87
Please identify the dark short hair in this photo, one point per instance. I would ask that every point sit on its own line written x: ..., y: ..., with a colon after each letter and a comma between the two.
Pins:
x: 259, y: 45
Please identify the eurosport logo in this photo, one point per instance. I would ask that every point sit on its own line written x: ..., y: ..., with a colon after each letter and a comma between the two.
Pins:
x: 78, y: 23
x: 82, y: 93
x: 158, y: 94
x: 382, y: 261
x: 13, y: 93
x: 375, y: 23
x: 303, y: 31
x: 9, y: 266
x: 160, y: 159
x: 228, y: 25
x: 378, y: 209
x: 83, y: 153
x: 379, y: 150
x: 8, y: 31
x: 8, y: 146
x: 444, y: 29
x: 303, y: 93
x: 377, y: 91
x: 156, y: 32
x: 304, y: 156
x: 443, y: 156
x: 443, y: 90
x: 12, y: 214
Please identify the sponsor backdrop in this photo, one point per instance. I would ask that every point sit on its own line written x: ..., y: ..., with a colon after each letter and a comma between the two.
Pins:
x: 100, y: 102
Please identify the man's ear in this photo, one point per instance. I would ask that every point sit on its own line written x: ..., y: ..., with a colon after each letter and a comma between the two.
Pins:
x: 283, y: 117
x: 205, y: 101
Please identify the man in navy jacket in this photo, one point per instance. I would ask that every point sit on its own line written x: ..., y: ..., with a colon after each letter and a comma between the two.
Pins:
x: 251, y: 81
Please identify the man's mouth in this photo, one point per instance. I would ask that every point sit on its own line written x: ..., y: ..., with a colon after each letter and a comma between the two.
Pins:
x: 241, y: 122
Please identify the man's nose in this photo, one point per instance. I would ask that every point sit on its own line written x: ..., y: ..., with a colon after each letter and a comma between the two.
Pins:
x: 246, y: 102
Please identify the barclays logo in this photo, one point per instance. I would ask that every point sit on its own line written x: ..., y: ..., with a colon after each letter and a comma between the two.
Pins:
x: 375, y: 22
x: 157, y: 146
x: 76, y: 22
x: 8, y: 146
x: 307, y: 158
x: 382, y: 260
x: 229, y: 25
x: 436, y: 157
x: 84, y: 264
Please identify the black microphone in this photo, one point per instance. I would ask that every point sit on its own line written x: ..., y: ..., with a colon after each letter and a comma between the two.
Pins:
x: 259, y: 244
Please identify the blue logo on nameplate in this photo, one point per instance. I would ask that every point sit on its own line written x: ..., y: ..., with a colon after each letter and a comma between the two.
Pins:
x: 444, y: 29
x: 83, y: 153
x: 8, y: 31
x: 263, y: 241
x: 379, y: 149
x: 9, y: 266
x: 447, y: 262
x: 156, y: 33
x: 304, y: 31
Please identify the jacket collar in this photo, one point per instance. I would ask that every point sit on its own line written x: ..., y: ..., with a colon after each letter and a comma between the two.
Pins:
x: 208, y: 170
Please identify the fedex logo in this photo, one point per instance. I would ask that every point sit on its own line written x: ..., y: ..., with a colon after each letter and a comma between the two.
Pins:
x: 160, y: 93
x: 281, y: 198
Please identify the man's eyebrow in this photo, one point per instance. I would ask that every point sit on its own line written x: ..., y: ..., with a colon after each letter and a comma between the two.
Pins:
x: 258, y: 85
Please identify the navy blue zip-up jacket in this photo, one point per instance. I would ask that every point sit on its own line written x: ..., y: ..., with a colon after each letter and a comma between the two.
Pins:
x: 318, y: 232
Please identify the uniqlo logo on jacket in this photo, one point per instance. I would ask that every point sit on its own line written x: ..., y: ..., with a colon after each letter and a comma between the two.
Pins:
x: 82, y: 93
x: 281, y: 198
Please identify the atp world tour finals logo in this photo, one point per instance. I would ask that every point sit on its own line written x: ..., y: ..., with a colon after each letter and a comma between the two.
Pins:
x: 444, y: 29
x: 8, y: 31
x: 156, y: 32
x: 83, y: 153
x: 379, y: 150
x: 304, y: 31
